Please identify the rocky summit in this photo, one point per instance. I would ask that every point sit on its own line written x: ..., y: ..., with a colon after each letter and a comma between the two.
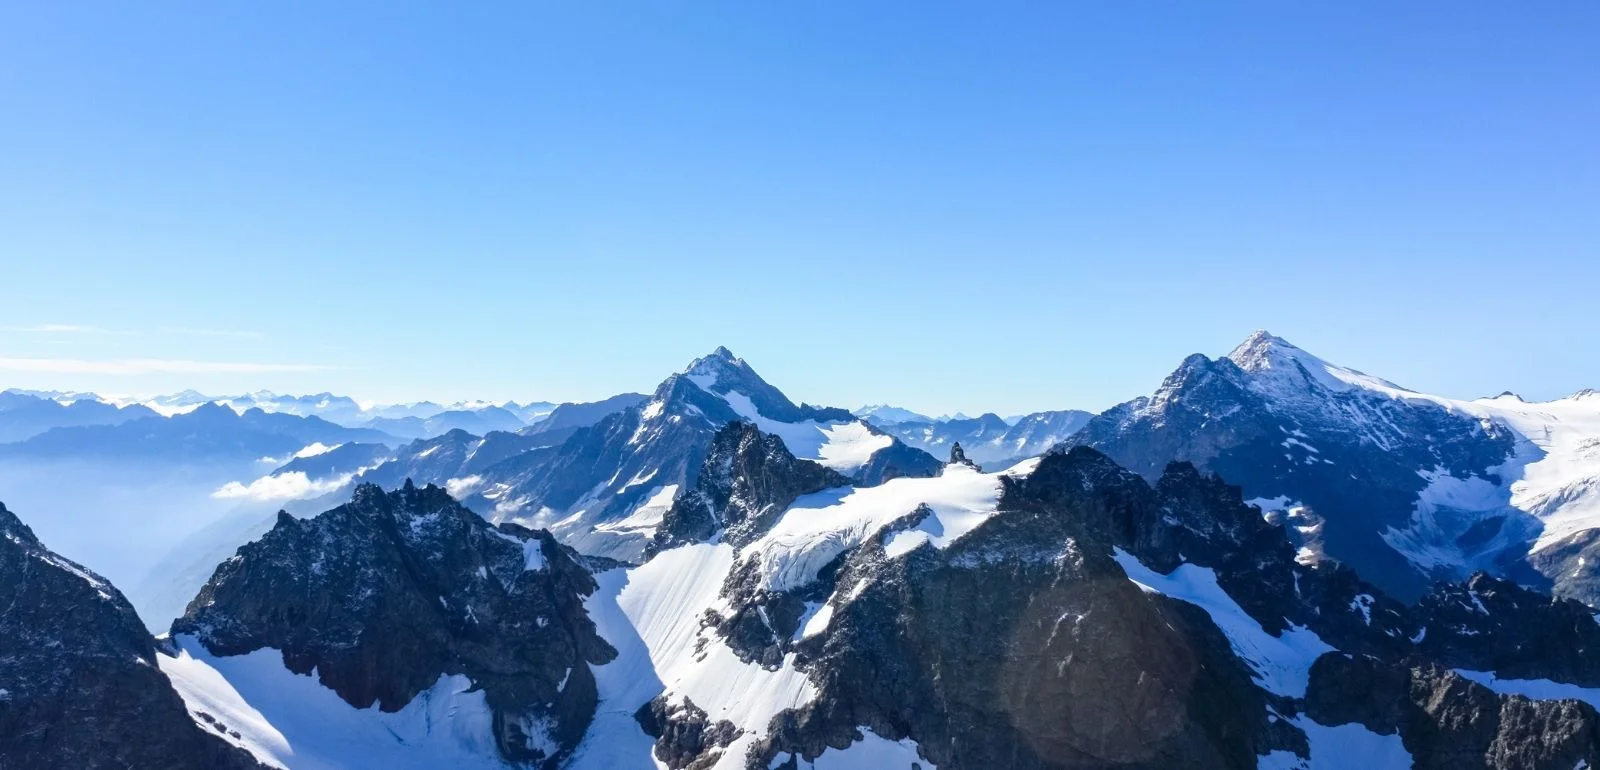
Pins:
x: 381, y: 597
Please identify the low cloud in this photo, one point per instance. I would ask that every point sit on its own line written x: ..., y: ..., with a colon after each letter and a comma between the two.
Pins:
x: 137, y: 366
x: 288, y: 486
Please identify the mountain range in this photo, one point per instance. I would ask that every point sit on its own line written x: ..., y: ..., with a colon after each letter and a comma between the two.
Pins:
x: 1272, y: 561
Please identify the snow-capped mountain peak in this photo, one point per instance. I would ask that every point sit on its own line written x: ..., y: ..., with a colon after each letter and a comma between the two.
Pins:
x: 1276, y: 364
x: 716, y: 361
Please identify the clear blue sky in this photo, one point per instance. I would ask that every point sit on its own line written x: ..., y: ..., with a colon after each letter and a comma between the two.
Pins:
x: 976, y: 206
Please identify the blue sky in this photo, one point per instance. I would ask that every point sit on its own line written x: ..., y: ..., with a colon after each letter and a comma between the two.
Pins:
x: 948, y: 206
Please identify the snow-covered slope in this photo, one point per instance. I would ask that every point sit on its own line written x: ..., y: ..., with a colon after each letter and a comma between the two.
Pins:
x: 1410, y: 487
x: 654, y: 613
x: 291, y: 721
x: 1552, y: 476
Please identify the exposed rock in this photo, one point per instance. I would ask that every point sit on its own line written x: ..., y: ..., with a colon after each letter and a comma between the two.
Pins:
x: 1491, y: 624
x: 896, y: 461
x: 959, y: 456
x: 1448, y: 722
x: 748, y: 479
x: 685, y: 736
x: 383, y: 595
x: 1023, y: 645
x: 79, y: 684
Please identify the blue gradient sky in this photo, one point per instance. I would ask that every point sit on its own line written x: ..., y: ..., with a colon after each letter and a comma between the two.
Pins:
x: 951, y: 207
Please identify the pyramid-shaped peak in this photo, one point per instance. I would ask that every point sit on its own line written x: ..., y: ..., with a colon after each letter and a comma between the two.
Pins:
x: 719, y: 360
x: 1277, y: 362
x: 1258, y: 349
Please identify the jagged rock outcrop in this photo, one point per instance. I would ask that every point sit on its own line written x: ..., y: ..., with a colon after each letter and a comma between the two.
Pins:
x: 684, y: 734
x: 1023, y: 645
x: 1451, y: 723
x: 79, y: 684
x: 1493, y: 624
x: 386, y: 594
x: 958, y: 456
x: 747, y: 480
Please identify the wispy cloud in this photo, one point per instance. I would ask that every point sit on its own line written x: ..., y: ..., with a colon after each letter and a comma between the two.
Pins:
x: 136, y: 366
x: 241, y: 334
x: 86, y: 329
x: 59, y: 329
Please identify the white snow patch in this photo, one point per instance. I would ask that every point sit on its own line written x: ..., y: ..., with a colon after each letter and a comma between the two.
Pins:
x: 819, y: 527
x: 292, y: 721
x: 1535, y: 689
x: 1340, y: 748
x: 1363, y: 604
x: 532, y: 551
x: 1282, y: 664
x: 815, y: 619
x: 848, y: 446
x: 872, y: 752
x: 647, y: 516
x: 842, y: 446
x: 1269, y: 504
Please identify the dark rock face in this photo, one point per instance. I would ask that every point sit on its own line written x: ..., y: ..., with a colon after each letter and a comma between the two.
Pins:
x: 1285, y: 432
x: 387, y: 593
x: 1491, y: 624
x: 1568, y: 567
x: 958, y: 456
x: 1449, y: 722
x: 684, y: 734
x: 1023, y: 645
x: 748, y: 479
x: 79, y: 683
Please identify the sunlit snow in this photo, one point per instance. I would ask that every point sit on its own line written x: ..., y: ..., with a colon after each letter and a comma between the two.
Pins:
x: 1282, y: 664
x: 292, y: 721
